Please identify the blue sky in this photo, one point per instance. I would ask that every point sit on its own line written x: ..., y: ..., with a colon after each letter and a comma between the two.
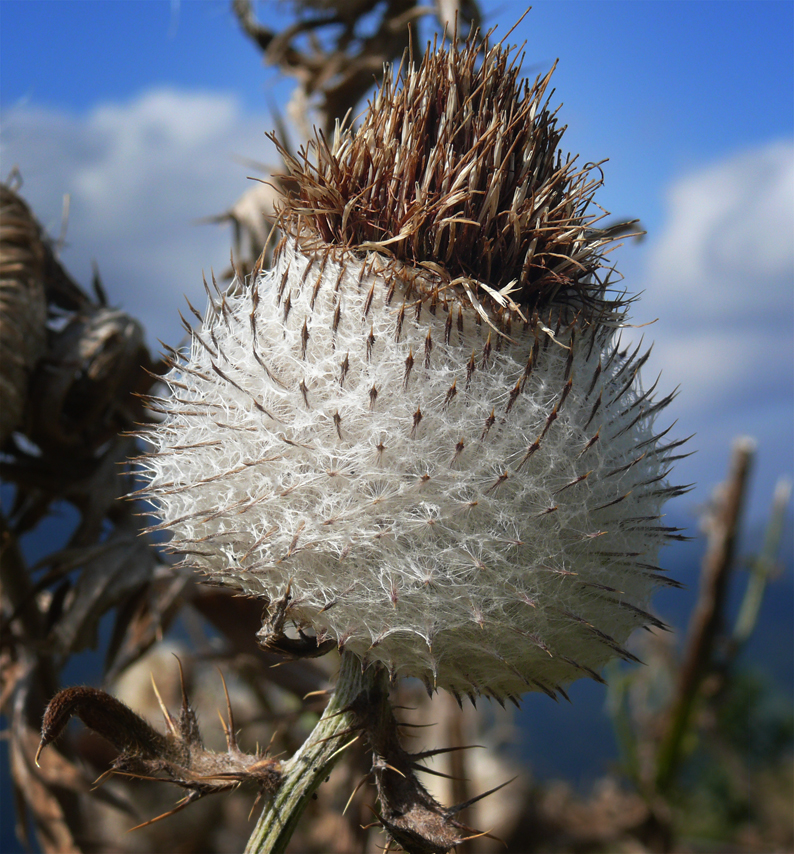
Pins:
x: 142, y: 110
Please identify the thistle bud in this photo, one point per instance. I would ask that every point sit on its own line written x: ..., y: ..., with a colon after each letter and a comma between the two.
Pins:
x: 418, y: 431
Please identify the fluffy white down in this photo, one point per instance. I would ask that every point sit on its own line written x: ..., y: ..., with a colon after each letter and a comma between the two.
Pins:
x: 405, y: 505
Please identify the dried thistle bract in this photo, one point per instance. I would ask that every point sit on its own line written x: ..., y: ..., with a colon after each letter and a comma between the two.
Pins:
x: 456, y: 171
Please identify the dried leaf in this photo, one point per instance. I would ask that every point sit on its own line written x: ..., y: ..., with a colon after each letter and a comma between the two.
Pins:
x: 111, y: 571
x: 23, y: 309
x: 143, y: 619
x: 333, y: 56
x: 82, y: 393
x: 48, y: 794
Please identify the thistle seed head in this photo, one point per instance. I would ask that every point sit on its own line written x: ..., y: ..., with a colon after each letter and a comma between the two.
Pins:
x: 452, y: 475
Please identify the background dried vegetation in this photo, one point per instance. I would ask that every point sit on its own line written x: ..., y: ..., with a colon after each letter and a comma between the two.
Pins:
x: 71, y: 368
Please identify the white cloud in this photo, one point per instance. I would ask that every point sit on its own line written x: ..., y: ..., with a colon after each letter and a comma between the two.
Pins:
x: 139, y: 176
x: 720, y: 280
x: 727, y: 253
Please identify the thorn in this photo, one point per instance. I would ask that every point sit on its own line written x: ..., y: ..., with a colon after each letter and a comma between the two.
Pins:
x: 231, y: 738
x: 409, y: 363
x: 424, y: 754
x: 253, y: 805
x: 344, y: 747
x: 435, y: 773
x: 460, y: 807
x: 355, y: 790
x: 178, y: 808
x: 416, y: 420
x: 101, y: 778
x: 483, y: 833
x: 391, y: 768
x: 169, y: 721
x: 316, y: 694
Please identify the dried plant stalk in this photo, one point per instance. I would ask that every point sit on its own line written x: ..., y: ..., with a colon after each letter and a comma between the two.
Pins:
x: 723, y: 526
x: 23, y: 307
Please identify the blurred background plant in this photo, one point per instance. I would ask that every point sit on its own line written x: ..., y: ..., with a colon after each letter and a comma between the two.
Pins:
x: 706, y: 743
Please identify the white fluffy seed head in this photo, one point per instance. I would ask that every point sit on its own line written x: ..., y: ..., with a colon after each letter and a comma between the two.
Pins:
x: 462, y: 489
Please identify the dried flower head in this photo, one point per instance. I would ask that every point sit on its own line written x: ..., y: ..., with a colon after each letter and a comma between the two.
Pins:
x: 417, y: 435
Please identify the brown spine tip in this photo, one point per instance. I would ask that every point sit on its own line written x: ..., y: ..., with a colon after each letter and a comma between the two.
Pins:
x: 513, y: 396
x: 344, y: 367
x: 368, y: 300
x: 391, y: 290
x: 281, y: 286
x: 451, y: 392
x: 416, y: 421
x: 528, y: 455
x: 304, y: 338
x: 370, y: 342
x: 593, y: 411
x: 489, y: 422
x: 409, y: 363
x: 486, y: 352
x: 471, y: 367
x: 398, y: 330
x: 497, y: 483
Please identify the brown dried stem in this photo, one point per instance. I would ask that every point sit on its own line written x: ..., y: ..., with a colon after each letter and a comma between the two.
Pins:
x: 724, y: 522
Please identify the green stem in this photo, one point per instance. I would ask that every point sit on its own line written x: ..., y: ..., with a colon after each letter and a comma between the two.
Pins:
x: 315, y: 759
x: 763, y: 567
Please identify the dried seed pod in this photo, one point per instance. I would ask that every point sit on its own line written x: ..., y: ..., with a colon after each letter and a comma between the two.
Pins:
x: 23, y: 307
x: 498, y: 539
x: 82, y: 391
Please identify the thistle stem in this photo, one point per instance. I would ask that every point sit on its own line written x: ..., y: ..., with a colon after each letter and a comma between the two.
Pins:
x: 304, y: 772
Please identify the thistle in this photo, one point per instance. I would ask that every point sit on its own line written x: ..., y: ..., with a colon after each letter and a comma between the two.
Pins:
x: 417, y: 433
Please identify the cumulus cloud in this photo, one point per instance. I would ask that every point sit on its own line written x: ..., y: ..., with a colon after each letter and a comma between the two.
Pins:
x: 720, y: 279
x: 139, y: 176
x: 727, y: 251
